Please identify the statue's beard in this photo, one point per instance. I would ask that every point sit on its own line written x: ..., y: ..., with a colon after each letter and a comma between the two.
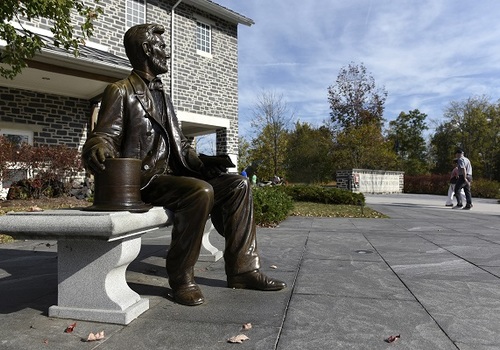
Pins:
x: 159, y: 67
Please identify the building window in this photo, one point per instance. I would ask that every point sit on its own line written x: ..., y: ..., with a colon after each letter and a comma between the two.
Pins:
x: 203, y: 38
x: 17, y: 136
x: 12, y: 172
x: 135, y: 12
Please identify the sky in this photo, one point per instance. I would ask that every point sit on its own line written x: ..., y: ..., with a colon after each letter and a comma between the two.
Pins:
x: 425, y: 53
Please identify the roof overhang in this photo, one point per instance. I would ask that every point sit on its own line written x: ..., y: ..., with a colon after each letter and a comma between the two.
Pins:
x: 220, y: 11
x: 61, y: 73
x: 197, y: 125
x: 51, y: 78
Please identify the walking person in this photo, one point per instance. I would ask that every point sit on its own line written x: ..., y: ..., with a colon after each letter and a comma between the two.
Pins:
x: 464, y: 180
x: 451, y: 188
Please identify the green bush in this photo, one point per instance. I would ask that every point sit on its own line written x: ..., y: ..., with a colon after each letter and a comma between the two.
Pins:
x: 321, y: 194
x: 485, y: 188
x: 271, y: 205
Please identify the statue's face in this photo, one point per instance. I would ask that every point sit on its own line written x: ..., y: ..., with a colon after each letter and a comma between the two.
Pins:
x: 159, y: 56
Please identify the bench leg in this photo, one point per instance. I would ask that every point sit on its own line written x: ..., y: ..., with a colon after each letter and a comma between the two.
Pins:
x: 92, y: 284
x: 208, y: 251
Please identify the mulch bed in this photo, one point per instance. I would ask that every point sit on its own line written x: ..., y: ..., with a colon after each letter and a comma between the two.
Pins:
x: 44, y: 203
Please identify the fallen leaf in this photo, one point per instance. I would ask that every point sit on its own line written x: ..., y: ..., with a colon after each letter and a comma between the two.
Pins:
x: 97, y: 336
x: 35, y: 208
x: 70, y: 328
x: 246, y: 327
x: 273, y: 266
x: 240, y: 338
x: 393, y: 338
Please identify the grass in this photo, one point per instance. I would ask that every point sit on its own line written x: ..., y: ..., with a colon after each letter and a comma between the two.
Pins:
x: 334, y: 211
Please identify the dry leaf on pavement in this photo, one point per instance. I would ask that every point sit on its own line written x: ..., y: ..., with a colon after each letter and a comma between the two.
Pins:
x: 35, y: 208
x: 238, y: 339
x: 97, y: 336
x: 70, y: 328
x: 246, y: 327
x: 393, y: 338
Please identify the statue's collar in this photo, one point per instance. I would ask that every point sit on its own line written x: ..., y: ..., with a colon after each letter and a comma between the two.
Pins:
x: 145, y: 76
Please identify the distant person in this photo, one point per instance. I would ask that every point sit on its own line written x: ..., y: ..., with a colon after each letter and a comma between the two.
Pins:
x: 244, y: 173
x: 254, y: 179
x: 464, y: 180
x: 451, y: 188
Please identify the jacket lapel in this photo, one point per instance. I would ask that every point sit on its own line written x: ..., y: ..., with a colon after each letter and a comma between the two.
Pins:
x: 144, y: 96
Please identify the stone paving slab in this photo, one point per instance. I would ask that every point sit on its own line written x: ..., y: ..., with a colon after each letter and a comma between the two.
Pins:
x: 428, y: 273
x: 326, y: 322
x: 344, y: 278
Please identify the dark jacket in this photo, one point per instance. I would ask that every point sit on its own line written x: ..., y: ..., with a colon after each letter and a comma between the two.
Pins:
x: 130, y: 125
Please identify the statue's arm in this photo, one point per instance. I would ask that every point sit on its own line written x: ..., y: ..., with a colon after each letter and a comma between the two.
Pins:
x: 104, y: 141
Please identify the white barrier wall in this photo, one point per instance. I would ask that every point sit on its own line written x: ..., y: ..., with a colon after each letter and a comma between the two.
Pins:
x: 371, y: 181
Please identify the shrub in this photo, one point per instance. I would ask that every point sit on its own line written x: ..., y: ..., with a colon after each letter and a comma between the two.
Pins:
x: 485, y: 188
x: 42, y: 185
x: 427, y: 184
x: 53, y: 166
x: 271, y: 205
x: 321, y: 194
x: 438, y: 184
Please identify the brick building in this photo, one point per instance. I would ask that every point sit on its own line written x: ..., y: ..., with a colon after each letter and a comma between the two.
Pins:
x: 55, y: 100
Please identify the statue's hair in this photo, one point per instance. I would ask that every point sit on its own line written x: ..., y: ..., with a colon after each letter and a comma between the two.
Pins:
x: 135, y: 37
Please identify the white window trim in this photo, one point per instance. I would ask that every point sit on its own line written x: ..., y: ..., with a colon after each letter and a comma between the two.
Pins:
x: 209, y: 23
x: 144, y: 3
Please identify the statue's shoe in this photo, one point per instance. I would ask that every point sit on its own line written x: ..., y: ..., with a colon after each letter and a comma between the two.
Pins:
x: 188, y: 294
x: 254, y: 280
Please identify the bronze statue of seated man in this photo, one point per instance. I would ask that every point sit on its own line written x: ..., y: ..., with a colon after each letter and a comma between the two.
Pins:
x: 137, y: 120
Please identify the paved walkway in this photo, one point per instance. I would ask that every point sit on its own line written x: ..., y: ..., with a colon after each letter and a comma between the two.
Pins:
x: 428, y: 273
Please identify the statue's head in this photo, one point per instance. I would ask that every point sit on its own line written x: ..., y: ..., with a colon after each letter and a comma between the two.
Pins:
x: 146, y: 49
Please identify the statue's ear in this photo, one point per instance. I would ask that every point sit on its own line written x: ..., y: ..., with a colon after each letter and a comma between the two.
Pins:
x: 146, y: 48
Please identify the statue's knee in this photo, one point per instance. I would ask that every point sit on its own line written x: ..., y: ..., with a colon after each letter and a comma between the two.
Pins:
x: 206, y: 193
x: 244, y: 183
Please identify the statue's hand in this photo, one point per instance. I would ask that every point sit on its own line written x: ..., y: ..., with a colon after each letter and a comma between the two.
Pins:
x: 97, y: 156
x: 213, y: 171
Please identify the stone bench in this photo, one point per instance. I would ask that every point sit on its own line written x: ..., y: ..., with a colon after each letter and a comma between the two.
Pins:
x: 94, y: 250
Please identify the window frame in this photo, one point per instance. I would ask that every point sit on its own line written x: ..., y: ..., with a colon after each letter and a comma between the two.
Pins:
x: 15, y: 173
x: 130, y: 7
x: 18, y: 132
x: 204, y: 37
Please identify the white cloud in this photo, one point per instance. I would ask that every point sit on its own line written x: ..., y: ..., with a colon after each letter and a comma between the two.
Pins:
x: 426, y: 53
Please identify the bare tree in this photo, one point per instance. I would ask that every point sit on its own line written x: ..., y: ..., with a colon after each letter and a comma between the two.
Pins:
x: 271, y: 122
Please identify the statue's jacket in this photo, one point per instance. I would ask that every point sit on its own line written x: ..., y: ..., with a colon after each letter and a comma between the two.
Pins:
x: 131, y: 126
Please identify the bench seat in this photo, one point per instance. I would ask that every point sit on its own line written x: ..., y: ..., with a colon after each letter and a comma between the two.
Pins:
x: 94, y: 250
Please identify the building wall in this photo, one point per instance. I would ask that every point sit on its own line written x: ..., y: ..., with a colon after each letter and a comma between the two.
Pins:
x: 54, y: 119
x: 205, y: 86
x: 208, y: 86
